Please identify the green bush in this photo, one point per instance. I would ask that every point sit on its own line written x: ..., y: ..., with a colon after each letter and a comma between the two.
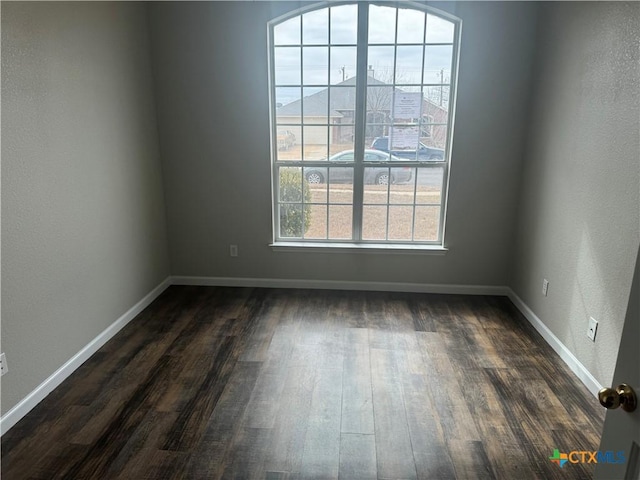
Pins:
x: 295, y: 216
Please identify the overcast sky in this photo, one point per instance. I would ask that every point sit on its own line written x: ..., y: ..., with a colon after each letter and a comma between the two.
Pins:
x: 315, y: 30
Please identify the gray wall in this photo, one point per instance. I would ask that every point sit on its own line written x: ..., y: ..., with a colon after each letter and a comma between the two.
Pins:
x: 210, y: 61
x: 83, y: 218
x: 579, y: 217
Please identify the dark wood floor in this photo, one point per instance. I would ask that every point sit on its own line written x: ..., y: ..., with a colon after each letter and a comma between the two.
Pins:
x: 267, y: 383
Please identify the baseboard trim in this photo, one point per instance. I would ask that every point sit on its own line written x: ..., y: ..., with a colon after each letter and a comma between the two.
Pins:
x: 14, y: 415
x: 341, y: 285
x: 565, y: 354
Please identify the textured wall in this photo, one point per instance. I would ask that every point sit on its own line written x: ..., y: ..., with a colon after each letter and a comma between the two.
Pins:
x: 210, y: 61
x: 83, y: 219
x: 579, y: 217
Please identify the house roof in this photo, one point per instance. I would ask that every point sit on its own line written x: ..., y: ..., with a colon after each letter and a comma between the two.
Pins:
x: 342, y: 99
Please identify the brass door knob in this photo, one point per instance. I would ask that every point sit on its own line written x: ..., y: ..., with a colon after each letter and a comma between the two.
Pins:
x: 623, y: 395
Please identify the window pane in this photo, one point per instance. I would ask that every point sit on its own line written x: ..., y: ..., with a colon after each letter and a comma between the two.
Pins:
x: 343, y: 65
x: 342, y: 118
x: 315, y: 143
x: 287, y: 65
x: 294, y: 211
x: 343, y: 156
x: 426, y: 224
x: 376, y: 156
x: 337, y: 149
x: 291, y: 155
x: 376, y: 137
x: 288, y: 104
x: 409, y: 65
x: 435, y: 143
x: 315, y: 105
x: 287, y: 33
x: 344, y: 24
x: 288, y: 146
x: 316, y: 183
x: 400, y: 220
x: 343, y: 103
x: 410, y: 26
x: 340, y: 218
x: 437, y: 64
x: 439, y: 30
x: 341, y: 185
x: 404, y: 141
x: 315, y: 27
x: 379, y: 104
x: 316, y: 65
x: 401, y: 175
x: 432, y: 131
x: 378, y: 116
x: 438, y: 95
x: 429, y: 189
x: 373, y: 193
x: 380, y: 70
x: 317, y: 222
x: 376, y: 176
x: 292, y: 220
x: 290, y: 184
x: 374, y: 223
x: 341, y: 137
x: 401, y: 192
x: 382, y: 24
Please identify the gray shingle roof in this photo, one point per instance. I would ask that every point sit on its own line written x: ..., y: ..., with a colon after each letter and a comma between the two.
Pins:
x: 342, y: 99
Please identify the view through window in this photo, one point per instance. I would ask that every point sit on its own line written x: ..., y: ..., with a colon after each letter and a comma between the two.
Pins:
x: 361, y: 103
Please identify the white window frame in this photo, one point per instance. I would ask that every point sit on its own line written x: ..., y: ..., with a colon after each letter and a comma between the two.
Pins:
x: 356, y: 242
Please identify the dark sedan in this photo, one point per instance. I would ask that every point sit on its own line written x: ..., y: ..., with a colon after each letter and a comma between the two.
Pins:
x: 378, y: 175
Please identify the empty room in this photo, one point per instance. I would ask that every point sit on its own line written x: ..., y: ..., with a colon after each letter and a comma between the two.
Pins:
x: 320, y: 240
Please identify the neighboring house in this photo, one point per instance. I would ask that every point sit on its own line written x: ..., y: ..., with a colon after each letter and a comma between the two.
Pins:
x: 336, y: 106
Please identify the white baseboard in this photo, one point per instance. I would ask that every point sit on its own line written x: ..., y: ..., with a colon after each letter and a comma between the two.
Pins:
x: 341, y: 285
x: 567, y: 357
x: 14, y: 415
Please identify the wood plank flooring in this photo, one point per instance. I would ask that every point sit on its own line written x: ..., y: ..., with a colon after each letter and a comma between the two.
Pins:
x: 212, y: 383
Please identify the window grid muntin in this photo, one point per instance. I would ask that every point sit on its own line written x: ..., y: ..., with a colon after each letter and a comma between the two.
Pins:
x: 416, y: 165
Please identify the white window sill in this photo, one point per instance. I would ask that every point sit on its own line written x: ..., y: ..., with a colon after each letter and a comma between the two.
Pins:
x: 346, y: 247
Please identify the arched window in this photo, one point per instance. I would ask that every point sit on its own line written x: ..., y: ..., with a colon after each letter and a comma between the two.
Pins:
x: 362, y: 99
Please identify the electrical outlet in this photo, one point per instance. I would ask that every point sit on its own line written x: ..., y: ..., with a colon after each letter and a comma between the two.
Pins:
x: 233, y: 250
x: 593, y: 328
x: 3, y: 364
x: 545, y: 287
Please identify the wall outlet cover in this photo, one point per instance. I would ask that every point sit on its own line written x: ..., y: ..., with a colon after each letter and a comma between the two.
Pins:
x: 593, y: 328
x: 3, y: 364
x: 545, y: 287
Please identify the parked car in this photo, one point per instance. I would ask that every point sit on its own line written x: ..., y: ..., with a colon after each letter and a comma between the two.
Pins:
x: 286, y: 139
x: 424, y: 152
x: 378, y: 175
